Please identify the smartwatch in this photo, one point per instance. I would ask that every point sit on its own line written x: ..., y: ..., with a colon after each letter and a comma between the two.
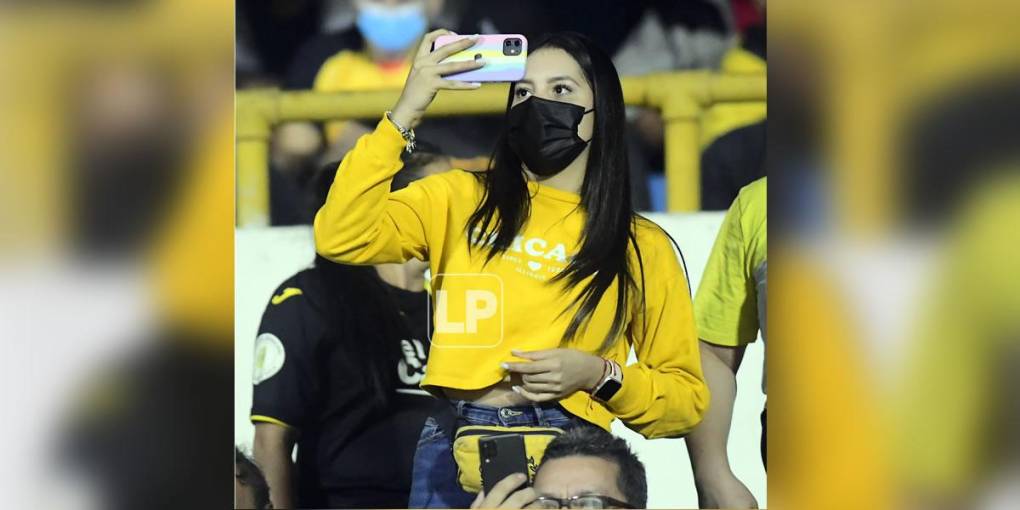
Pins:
x: 612, y: 381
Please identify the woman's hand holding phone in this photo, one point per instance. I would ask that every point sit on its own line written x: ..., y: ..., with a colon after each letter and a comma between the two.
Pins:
x: 426, y: 77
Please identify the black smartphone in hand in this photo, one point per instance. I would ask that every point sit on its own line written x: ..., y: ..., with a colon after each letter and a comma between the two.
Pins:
x: 501, y: 456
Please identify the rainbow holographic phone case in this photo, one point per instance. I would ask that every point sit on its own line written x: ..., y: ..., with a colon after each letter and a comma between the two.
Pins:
x: 504, y: 54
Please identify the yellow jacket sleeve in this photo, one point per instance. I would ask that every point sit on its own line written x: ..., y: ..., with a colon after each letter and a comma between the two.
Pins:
x: 664, y: 394
x: 362, y: 222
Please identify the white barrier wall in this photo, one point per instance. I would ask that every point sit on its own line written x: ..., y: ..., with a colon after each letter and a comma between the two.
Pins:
x: 267, y: 256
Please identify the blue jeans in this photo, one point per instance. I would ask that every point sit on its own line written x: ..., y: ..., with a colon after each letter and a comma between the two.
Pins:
x: 434, y: 480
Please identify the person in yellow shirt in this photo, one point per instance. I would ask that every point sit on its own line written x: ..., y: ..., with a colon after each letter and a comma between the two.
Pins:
x: 543, y: 276
x: 955, y: 440
x: 747, y: 58
x: 374, y: 55
x: 390, y: 31
x: 730, y: 310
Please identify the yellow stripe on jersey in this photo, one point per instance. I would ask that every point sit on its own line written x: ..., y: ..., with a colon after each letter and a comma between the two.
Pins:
x: 270, y: 419
x: 286, y: 294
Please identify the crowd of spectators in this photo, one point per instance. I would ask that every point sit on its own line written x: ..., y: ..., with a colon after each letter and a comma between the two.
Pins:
x: 357, y: 45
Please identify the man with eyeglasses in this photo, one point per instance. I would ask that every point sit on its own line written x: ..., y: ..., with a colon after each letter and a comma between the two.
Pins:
x: 586, y: 467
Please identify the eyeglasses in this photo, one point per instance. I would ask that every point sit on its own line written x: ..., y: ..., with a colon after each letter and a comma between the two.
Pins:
x: 588, y: 501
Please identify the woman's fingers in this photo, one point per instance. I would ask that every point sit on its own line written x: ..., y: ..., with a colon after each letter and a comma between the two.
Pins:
x: 535, y: 397
x: 457, y: 67
x: 542, y: 377
x: 536, y: 355
x: 545, y: 382
x: 443, y: 52
x: 430, y: 38
x: 537, y: 388
x: 454, y: 85
x: 528, y: 367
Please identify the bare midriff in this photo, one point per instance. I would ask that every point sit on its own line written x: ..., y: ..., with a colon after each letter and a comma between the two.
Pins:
x: 497, y: 395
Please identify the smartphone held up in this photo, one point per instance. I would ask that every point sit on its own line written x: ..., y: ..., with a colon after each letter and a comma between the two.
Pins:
x: 504, y: 56
x: 501, y: 456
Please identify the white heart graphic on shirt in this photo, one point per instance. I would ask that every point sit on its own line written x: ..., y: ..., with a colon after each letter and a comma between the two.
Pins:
x: 534, y: 266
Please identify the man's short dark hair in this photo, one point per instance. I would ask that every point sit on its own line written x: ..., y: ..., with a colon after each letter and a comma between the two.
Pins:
x: 250, y: 475
x: 592, y: 441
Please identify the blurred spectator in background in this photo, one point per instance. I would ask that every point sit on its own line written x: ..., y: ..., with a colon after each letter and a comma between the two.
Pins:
x: 963, y: 185
x: 145, y: 289
x: 667, y: 36
x: 816, y: 336
x: 730, y: 309
x: 129, y: 140
x: 339, y: 355
x: 731, y: 162
x: 113, y: 128
x: 966, y: 357
x: 363, y: 45
x: 373, y: 54
x: 748, y: 57
x: 746, y: 13
x: 946, y: 165
x: 250, y: 489
x: 148, y: 418
x: 733, y: 134
x: 796, y: 155
x: 268, y: 34
x: 371, y: 39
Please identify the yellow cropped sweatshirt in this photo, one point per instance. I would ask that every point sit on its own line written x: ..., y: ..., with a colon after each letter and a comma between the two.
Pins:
x: 483, y: 310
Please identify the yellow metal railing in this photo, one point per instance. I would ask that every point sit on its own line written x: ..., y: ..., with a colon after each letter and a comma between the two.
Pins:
x: 681, y: 97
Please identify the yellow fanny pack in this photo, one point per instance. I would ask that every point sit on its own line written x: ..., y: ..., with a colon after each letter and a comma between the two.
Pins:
x: 466, y: 450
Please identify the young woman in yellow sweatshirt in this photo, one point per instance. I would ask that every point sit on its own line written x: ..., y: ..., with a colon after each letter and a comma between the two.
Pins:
x: 544, y: 278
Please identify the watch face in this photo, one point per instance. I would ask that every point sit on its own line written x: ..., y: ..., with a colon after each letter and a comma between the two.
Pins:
x: 608, y: 389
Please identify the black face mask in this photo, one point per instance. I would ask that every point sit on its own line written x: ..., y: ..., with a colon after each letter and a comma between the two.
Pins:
x: 543, y: 134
